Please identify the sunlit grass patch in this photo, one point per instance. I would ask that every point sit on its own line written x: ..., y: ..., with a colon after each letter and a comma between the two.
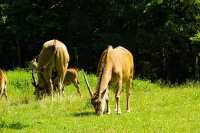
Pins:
x: 154, y: 108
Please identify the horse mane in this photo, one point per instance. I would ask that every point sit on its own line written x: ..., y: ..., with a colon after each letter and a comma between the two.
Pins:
x: 102, y: 61
x: 101, y: 66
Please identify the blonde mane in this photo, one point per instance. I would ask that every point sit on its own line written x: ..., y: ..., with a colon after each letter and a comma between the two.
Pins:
x: 102, y: 63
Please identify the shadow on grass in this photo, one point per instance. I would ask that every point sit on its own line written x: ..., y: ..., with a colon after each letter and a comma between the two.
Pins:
x: 22, y: 101
x: 82, y: 114
x: 14, y: 125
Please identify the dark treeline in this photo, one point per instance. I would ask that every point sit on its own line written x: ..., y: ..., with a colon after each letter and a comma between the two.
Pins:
x: 162, y: 34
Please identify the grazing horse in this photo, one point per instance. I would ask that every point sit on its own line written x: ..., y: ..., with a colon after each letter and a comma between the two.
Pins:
x: 3, y: 84
x: 71, y: 76
x: 53, y: 57
x: 115, y: 67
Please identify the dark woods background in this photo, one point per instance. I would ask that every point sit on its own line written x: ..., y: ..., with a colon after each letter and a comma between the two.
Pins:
x: 160, y: 33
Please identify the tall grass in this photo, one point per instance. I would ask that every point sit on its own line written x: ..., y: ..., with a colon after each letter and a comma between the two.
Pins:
x: 155, y: 108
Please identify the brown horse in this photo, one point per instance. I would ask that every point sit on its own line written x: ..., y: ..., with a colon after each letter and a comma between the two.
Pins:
x: 53, y: 57
x: 71, y: 76
x: 3, y: 84
x: 115, y: 67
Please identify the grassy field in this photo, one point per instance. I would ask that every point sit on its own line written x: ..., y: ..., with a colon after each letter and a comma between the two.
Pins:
x: 155, y: 108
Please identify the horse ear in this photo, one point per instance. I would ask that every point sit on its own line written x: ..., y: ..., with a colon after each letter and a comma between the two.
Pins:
x: 36, y: 58
x: 103, y: 93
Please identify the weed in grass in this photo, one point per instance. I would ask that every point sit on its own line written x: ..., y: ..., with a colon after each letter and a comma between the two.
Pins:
x: 13, y: 125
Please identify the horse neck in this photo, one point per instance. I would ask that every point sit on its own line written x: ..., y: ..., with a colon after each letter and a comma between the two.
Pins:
x: 105, y: 73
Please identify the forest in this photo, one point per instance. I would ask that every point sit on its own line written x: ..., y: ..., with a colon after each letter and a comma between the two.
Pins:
x: 163, y: 35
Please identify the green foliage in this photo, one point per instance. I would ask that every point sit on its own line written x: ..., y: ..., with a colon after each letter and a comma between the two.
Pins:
x: 196, y: 37
x: 155, y: 108
x: 146, y: 27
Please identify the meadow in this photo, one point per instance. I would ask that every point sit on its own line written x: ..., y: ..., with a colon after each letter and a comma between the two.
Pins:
x: 155, y: 108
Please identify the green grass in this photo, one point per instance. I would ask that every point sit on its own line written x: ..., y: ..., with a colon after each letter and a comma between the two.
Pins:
x: 155, y: 108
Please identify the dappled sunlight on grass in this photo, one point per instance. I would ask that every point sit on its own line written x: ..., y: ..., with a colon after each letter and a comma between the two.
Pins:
x: 154, y: 108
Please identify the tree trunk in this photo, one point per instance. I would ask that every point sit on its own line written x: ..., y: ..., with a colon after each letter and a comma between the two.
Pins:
x: 76, y: 55
x: 18, y: 54
x: 164, y: 64
x: 197, y: 66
